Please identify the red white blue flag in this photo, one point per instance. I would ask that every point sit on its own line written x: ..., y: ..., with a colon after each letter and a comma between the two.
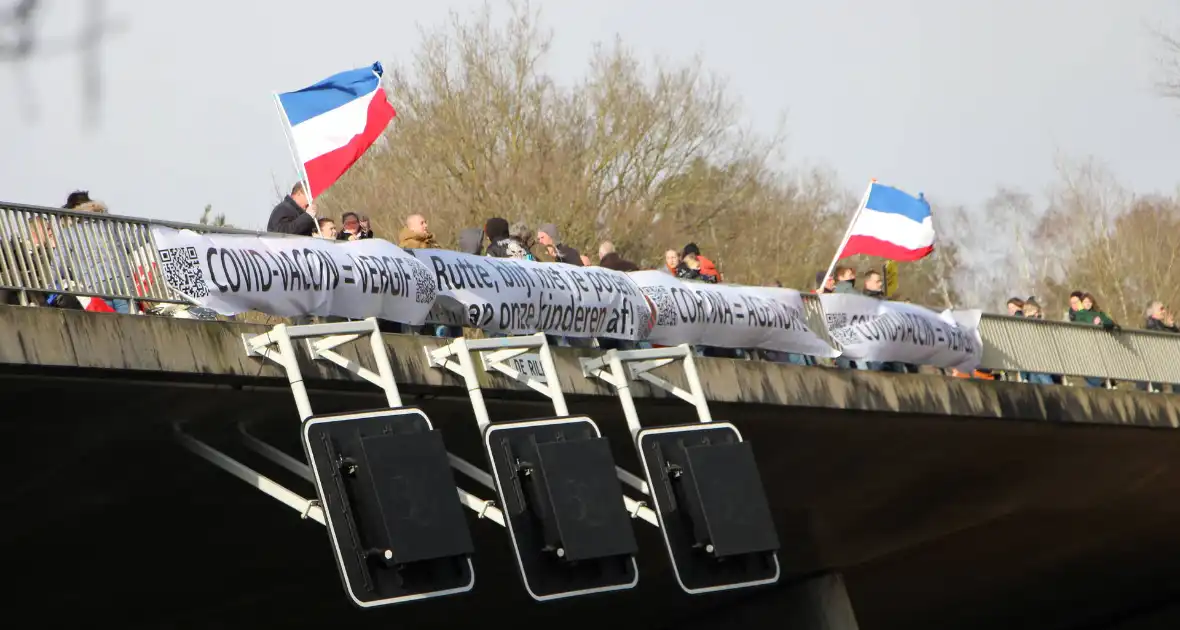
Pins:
x: 891, y: 224
x: 335, y: 121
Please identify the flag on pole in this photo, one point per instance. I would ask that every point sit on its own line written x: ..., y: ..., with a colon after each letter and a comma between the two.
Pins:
x: 891, y: 224
x: 334, y: 122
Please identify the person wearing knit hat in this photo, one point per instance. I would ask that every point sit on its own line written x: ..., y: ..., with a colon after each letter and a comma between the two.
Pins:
x: 549, y: 238
x: 551, y: 230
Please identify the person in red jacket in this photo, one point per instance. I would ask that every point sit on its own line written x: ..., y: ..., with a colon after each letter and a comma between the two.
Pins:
x: 707, y: 267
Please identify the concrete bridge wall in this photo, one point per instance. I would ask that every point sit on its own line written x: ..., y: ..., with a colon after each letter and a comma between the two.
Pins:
x: 176, y: 349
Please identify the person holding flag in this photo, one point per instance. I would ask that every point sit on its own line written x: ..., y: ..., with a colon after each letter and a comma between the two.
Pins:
x: 890, y: 224
x: 329, y: 125
x: 294, y: 214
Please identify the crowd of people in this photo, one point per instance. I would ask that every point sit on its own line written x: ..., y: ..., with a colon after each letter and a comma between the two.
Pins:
x: 498, y: 238
x: 62, y: 254
x: 296, y: 215
x: 1084, y: 309
x: 47, y: 247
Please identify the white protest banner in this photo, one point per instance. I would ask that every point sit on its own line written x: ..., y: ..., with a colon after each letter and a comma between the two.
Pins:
x: 869, y: 329
x: 728, y: 316
x: 295, y: 276
x: 678, y: 317
x: 519, y: 297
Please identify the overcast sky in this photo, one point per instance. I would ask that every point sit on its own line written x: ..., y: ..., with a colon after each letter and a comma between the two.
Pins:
x: 948, y: 97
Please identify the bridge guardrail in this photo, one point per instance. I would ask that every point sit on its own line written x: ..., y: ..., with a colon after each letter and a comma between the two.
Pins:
x: 52, y: 250
x: 1032, y: 345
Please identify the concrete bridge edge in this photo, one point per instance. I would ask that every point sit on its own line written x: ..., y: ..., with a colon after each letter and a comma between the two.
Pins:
x: 40, y: 338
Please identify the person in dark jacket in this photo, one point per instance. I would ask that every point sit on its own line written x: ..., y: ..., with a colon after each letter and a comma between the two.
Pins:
x: 1030, y: 309
x: 294, y: 214
x: 610, y: 259
x: 874, y: 284
x: 104, y: 261
x: 829, y: 285
x: 1075, y: 305
x: 549, y: 238
x: 690, y: 268
x: 1159, y: 319
x: 500, y: 242
x: 353, y: 227
x: 471, y: 241
x: 846, y: 281
x: 705, y: 265
x: 1093, y: 315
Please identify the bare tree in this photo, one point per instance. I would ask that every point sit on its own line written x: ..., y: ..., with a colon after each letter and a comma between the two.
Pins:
x: 215, y: 220
x: 1169, y: 83
x: 652, y: 156
x: 1099, y: 237
x: 1001, y: 256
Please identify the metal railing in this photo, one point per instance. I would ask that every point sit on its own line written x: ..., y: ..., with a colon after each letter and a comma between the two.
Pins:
x: 50, y: 250
x: 1048, y: 347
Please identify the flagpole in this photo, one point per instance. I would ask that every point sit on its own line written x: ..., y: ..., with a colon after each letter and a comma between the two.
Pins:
x: 847, y: 235
x: 286, y: 123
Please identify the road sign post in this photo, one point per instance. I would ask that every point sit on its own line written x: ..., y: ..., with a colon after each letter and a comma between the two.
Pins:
x: 702, y: 478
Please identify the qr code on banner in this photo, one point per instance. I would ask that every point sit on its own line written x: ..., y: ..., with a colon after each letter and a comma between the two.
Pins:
x: 845, y: 336
x: 424, y: 290
x: 836, y: 320
x: 665, y: 307
x: 182, y: 271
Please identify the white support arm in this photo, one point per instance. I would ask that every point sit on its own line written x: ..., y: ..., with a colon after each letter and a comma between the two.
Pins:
x: 309, y: 508
x: 678, y: 392
x: 323, y: 350
x: 456, y: 357
x: 275, y: 455
x: 485, y: 509
x: 472, y: 471
x: 482, y: 508
x: 322, y: 341
x: 619, y: 368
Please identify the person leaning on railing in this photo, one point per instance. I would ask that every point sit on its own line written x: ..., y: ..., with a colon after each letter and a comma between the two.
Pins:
x: 1030, y: 309
x: 34, y: 259
x: 103, y: 258
x: 1091, y: 314
x: 1159, y: 319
